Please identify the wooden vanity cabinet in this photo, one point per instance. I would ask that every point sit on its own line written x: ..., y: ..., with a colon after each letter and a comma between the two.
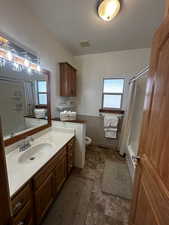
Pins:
x: 31, y: 203
x: 67, y: 80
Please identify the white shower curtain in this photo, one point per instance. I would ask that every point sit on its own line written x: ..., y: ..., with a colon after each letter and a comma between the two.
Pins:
x: 124, y: 137
x: 29, y: 98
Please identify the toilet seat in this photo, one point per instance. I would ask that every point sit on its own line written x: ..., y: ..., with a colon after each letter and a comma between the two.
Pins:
x: 88, y: 140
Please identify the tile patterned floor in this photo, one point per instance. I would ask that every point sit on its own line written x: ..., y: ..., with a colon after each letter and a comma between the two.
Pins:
x: 104, y: 209
x: 94, y: 206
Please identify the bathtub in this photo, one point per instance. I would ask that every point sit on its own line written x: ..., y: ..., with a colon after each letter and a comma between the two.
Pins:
x: 130, y: 162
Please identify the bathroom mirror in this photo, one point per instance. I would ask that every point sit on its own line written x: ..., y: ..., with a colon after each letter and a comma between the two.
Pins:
x: 24, y: 103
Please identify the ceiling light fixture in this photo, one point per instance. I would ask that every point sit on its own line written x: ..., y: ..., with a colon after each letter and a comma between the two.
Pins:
x: 108, y: 9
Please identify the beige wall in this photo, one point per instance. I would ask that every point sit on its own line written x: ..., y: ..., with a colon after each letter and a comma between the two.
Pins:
x: 19, y: 23
x: 94, y: 67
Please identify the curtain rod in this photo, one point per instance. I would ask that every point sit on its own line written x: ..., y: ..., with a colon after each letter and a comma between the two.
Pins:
x: 140, y: 74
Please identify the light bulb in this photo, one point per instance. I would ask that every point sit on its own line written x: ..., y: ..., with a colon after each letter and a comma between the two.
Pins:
x: 16, y: 65
x: 38, y: 68
x: 108, y: 9
x: 29, y: 70
x: 26, y: 63
x: 9, y: 55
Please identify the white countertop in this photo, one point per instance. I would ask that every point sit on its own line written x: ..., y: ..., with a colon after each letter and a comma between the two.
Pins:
x: 19, y: 173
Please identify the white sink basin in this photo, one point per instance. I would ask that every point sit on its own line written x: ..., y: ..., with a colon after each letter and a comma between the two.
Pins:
x: 36, y: 152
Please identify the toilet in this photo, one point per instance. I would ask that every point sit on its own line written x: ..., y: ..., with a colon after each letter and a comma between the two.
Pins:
x: 88, y: 141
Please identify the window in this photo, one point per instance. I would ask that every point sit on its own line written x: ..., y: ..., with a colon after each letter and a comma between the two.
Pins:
x: 112, y: 93
x: 42, y: 92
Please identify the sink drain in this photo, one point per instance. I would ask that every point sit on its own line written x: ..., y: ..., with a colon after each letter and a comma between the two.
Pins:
x: 32, y: 158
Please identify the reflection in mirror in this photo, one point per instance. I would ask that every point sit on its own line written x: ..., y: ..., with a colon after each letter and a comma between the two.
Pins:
x: 23, y: 101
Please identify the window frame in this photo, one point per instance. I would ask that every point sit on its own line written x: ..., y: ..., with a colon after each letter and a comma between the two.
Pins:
x: 113, y: 93
x: 40, y: 92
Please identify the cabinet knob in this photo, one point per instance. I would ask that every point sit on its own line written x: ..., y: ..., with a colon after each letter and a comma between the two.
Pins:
x: 17, y: 206
x: 21, y: 223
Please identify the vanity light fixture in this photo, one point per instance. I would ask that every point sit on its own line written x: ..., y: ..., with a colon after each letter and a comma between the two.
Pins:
x: 17, y: 61
x: 3, y: 40
x: 108, y: 9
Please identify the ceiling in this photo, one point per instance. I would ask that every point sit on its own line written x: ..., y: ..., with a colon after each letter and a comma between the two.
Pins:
x: 73, y: 21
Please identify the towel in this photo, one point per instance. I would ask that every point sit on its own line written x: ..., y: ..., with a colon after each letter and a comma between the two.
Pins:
x: 111, y: 121
x: 110, y: 126
x: 110, y: 133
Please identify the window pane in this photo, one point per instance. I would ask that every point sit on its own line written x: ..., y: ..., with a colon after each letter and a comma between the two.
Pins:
x: 42, y: 86
x: 113, y: 86
x: 43, y: 99
x: 112, y: 101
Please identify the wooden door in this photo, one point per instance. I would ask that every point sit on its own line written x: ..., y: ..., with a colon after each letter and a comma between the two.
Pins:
x: 166, y: 8
x: 5, y: 217
x: 151, y: 190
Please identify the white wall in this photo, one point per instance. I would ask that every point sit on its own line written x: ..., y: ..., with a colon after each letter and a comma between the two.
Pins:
x: 94, y: 67
x: 18, y: 22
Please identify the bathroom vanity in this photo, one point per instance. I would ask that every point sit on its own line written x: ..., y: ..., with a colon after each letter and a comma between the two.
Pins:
x: 39, y: 154
x: 35, y: 177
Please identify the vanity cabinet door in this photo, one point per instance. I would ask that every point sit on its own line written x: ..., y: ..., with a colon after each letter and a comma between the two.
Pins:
x: 44, y: 197
x: 25, y: 217
x: 21, y: 199
x: 70, y: 156
x: 60, y: 173
x: 67, y: 80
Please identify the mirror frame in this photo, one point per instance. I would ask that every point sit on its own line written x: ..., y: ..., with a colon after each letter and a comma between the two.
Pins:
x: 26, y: 134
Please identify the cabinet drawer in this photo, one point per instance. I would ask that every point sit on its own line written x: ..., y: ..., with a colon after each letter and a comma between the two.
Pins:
x: 25, y: 217
x: 20, y: 200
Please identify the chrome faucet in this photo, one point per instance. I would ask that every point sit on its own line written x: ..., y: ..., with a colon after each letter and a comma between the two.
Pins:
x: 25, y: 144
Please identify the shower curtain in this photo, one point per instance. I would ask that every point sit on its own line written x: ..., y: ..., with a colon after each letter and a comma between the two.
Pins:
x: 29, y: 98
x: 127, y: 119
x: 132, y: 122
x: 137, y: 115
